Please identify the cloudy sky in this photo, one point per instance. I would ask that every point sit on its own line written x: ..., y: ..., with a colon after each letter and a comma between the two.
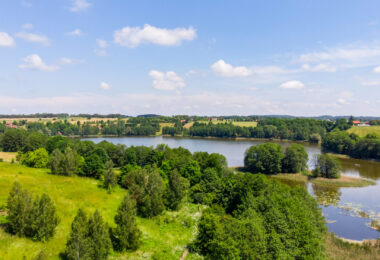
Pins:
x: 190, y: 57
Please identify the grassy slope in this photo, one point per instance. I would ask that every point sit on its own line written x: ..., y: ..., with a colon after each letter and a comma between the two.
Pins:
x: 364, y: 130
x: 166, y: 234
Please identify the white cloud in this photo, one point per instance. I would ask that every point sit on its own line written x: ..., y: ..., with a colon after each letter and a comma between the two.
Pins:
x: 76, y: 32
x: 221, y: 68
x: 166, y: 81
x: 102, y: 43
x: 322, y: 67
x: 350, y: 56
x: 27, y: 26
x: 342, y: 101
x: 134, y: 36
x: 371, y: 83
x: 105, y: 85
x: 79, y: 5
x: 377, y: 69
x: 100, y: 52
x: 68, y: 61
x: 35, y: 62
x: 6, y: 40
x: 292, y: 84
x: 31, y: 37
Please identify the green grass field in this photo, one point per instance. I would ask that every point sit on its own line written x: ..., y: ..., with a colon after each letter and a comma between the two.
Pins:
x: 165, y: 236
x: 364, y: 130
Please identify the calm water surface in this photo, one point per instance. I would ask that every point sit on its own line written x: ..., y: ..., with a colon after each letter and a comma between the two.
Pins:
x: 341, y: 207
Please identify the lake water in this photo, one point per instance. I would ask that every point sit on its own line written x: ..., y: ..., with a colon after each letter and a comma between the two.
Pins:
x: 343, y: 208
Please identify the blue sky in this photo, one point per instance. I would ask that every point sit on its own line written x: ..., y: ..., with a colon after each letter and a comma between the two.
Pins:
x: 190, y: 57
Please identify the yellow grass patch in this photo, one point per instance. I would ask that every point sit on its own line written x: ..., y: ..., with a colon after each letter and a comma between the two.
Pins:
x: 364, y: 130
x: 7, y: 156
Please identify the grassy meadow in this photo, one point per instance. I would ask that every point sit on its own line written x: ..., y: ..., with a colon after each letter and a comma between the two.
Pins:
x: 364, y: 130
x: 164, y: 236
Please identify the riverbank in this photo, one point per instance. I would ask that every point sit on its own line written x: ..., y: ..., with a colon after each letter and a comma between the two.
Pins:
x: 340, y: 248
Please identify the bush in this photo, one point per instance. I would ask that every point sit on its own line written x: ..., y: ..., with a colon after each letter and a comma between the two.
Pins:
x: 326, y: 166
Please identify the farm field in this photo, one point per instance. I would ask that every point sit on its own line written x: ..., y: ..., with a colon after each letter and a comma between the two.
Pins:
x: 164, y: 236
x: 364, y: 130
x: 72, y: 120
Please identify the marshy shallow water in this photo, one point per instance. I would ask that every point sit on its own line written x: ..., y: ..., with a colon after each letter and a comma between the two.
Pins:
x: 348, y: 211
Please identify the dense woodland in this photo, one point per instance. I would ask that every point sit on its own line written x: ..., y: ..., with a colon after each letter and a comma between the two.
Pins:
x: 248, y: 216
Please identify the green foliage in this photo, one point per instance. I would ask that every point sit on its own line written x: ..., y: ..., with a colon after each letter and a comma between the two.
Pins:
x: 98, y: 236
x: 295, y: 159
x: 35, y: 219
x: 68, y: 163
x: 326, y: 166
x: 109, y: 176
x: 93, y: 166
x: 270, y: 221
x: 36, y: 159
x: 147, y: 188
x: 264, y: 158
x: 176, y: 190
x: 126, y: 235
x: 78, y: 245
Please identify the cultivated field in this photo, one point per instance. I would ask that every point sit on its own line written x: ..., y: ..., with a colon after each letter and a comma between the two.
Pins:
x: 364, y: 130
x: 164, y: 236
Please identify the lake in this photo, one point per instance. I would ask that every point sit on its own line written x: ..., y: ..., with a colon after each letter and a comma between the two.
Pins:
x: 343, y: 208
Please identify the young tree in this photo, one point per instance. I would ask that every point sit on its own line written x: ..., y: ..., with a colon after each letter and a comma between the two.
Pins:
x: 57, y: 163
x: 264, y: 158
x: 109, y: 176
x: 295, y: 159
x: 78, y: 245
x: 99, y: 237
x: 73, y: 162
x: 126, y: 235
x: 19, y: 205
x: 43, y: 219
x: 176, y: 190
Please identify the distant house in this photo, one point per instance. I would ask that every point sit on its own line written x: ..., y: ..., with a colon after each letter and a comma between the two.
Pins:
x: 10, y: 125
x: 356, y: 122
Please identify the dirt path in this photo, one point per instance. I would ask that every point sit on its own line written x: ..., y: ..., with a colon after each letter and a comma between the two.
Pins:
x: 184, y: 254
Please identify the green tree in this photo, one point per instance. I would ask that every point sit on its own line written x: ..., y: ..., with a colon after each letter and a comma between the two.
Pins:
x: 99, y: 237
x: 295, y: 159
x: 19, y: 205
x: 264, y: 158
x: 109, y: 176
x: 36, y: 159
x: 326, y: 166
x: 57, y: 163
x: 43, y: 219
x: 93, y: 166
x: 79, y: 246
x: 176, y: 190
x: 126, y: 235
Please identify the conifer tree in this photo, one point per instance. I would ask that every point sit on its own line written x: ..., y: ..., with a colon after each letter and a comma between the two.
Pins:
x: 78, y: 245
x: 99, y: 237
x: 126, y: 235
x: 176, y: 190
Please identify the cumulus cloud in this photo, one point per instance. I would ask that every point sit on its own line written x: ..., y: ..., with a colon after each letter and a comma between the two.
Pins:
x: 166, y: 81
x: 342, y: 101
x: 32, y: 37
x: 292, y: 84
x: 76, y: 32
x: 371, y: 83
x: 377, y: 69
x: 105, y: 85
x: 35, y: 62
x: 27, y: 26
x: 79, y: 5
x: 322, y: 67
x: 134, y: 36
x: 6, y: 40
x: 221, y: 68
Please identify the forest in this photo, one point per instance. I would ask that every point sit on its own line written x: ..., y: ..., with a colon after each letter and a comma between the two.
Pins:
x: 247, y: 216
